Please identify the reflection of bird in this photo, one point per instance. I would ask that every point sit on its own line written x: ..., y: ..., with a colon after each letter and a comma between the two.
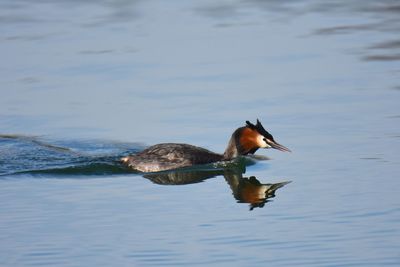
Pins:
x: 250, y: 190
x: 245, y: 190
x: 182, y: 177
x: 245, y: 140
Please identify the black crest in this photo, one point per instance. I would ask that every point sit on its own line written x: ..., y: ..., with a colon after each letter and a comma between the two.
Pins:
x: 259, y: 128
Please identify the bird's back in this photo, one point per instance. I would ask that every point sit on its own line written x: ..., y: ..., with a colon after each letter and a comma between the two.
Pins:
x: 169, y: 156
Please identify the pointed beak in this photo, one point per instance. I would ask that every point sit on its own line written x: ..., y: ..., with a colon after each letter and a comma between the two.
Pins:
x: 278, y: 146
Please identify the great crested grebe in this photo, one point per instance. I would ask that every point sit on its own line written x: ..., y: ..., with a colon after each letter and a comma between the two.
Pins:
x: 245, y: 140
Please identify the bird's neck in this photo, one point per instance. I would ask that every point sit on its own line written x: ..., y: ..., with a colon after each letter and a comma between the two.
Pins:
x: 231, y: 150
x: 236, y: 147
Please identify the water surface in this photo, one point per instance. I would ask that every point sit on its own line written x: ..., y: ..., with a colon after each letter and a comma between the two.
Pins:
x: 83, y: 83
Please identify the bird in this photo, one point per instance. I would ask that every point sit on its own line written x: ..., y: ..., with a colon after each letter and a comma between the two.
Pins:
x: 244, y: 141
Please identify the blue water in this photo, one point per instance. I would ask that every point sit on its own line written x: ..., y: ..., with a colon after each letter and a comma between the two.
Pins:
x: 83, y: 83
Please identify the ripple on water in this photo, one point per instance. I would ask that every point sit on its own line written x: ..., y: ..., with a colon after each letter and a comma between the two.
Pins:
x: 32, y: 155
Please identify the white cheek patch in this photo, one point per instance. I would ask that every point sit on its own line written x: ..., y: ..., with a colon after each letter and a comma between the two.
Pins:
x: 261, y: 143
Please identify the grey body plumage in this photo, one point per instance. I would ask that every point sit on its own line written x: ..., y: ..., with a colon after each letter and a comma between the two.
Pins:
x: 168, y: 156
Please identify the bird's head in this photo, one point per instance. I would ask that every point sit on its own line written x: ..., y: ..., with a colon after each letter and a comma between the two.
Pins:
x: 254, y: 136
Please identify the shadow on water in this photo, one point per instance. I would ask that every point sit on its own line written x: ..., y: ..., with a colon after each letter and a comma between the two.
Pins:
x: 31, y: 155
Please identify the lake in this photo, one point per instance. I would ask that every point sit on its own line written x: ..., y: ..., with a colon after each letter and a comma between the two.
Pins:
x: 84, y: 83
